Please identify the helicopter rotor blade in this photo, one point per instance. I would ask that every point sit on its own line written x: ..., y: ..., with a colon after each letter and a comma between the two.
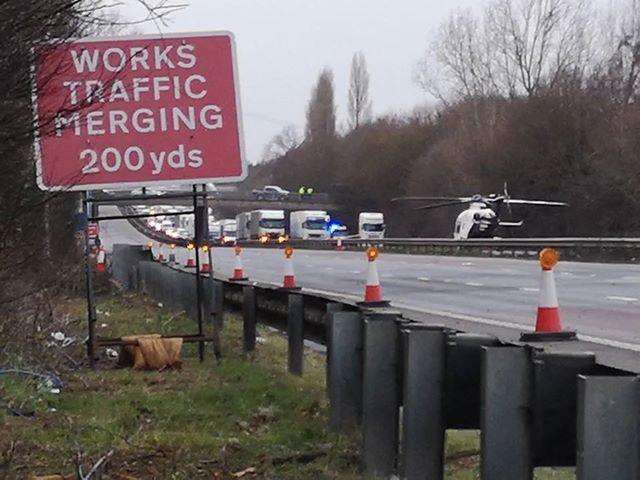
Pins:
x: 438, y: 205
x: 428, y: 199
x: 518, y: 201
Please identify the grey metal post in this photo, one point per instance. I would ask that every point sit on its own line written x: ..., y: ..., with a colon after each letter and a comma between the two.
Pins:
x: 331, y: 308
x: 218, y: 305
x: 218, y: 317
x: 91, y: 303
x: 345, y: 365
x: 504, y: 415
x: 423, y: 419
x: 248, y: 318
x: 608, y: 428
x: 295, y: 333
x: 380, y: 395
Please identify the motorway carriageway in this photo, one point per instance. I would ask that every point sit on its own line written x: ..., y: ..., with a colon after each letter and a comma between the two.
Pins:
x: 600, y: 301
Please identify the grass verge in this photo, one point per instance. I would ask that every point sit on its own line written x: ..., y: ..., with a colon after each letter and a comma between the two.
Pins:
x: 244, y: 418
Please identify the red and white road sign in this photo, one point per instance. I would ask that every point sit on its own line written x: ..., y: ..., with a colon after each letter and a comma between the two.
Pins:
x: 93, y: 229
x: 139, y: 111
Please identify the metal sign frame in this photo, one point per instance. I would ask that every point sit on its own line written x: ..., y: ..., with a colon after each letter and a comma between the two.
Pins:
x: 200, y: 206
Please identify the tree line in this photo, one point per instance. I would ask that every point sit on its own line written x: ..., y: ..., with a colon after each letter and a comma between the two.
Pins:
x: 540, y: 94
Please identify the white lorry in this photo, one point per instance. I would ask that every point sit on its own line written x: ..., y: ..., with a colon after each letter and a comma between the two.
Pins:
x: 267, y: 224
x: 243, y: 222
x: 371, y: 225
x: 309, y: 224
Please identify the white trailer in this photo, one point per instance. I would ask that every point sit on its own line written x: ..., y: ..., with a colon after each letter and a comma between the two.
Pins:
x: 309, y: 224
x: 267, y: 224
x: 243, y: 222
x: 371, y: 225
x: 215, y: 230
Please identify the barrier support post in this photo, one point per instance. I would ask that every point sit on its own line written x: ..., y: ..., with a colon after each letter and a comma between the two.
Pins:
x: 423, y: 418
x: 295, y: 333
x: 330, y: 308
x: 608, y: 428
x: 380, y: 395
x: 504, y: 416
x: 345, y: 375
x: 217, y: 313
x: 248, y: 318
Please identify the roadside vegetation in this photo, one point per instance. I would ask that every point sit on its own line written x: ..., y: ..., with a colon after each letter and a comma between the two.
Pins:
x: 243, y: 418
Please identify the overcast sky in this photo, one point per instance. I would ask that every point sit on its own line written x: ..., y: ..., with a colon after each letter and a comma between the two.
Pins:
x: 283, y: 44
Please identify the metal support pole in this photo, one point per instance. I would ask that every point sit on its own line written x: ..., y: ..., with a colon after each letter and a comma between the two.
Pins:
x: 199, y: 304
x: 504, y: 416
x: 423, y: 416
x: 217, y: 311
x: 331, y: 308
x: 248, y: 318
x: 345, y: 365
x: 91, y: 304
x: 295, y: 333
x: 380, y: 395
x: 608, y: 428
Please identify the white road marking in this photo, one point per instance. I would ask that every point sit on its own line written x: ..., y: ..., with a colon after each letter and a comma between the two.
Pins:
x: 473, y: 284
x: 467, y: 264
x: 447, y: 280
x: 486, y: 321
x: 423, y: 279
x: 622, y: 299
x: 530, y: 289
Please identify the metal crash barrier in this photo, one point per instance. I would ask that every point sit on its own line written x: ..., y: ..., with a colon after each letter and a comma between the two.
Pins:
x: 402, y: 384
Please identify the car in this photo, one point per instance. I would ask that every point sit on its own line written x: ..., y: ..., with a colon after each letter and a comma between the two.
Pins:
x: 270, y: 192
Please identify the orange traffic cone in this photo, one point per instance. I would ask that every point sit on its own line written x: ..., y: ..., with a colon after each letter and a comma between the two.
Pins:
x: 191, y: 259
x: 548, y: 324
x: 204, y: 266
x: 161, y: 258
x: 372, y: 290
x: 101, y: 260
x: 289, y: 282
x: 238, y: 272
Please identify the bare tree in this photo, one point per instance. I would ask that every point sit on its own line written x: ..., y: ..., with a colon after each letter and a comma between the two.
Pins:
x: 280, y: 144
x: 513, y: 47
x: 619, y: 50
x: 359, y: 98
x: 321, y: 112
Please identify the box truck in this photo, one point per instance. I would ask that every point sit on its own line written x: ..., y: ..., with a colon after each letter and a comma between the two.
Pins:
x: 371, y: 225
x: 267, y: 224
x: 309, y: 224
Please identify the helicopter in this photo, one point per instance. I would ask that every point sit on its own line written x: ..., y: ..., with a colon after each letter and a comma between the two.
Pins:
x: 482, y: 217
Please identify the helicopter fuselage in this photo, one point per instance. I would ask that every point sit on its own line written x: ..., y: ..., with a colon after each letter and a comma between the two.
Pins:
x: 477, y: 221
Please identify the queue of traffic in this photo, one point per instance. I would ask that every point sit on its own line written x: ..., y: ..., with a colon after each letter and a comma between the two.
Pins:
x: 265, y: 225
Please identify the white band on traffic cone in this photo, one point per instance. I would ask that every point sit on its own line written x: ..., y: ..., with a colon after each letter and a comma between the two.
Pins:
x: 548, y: 296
